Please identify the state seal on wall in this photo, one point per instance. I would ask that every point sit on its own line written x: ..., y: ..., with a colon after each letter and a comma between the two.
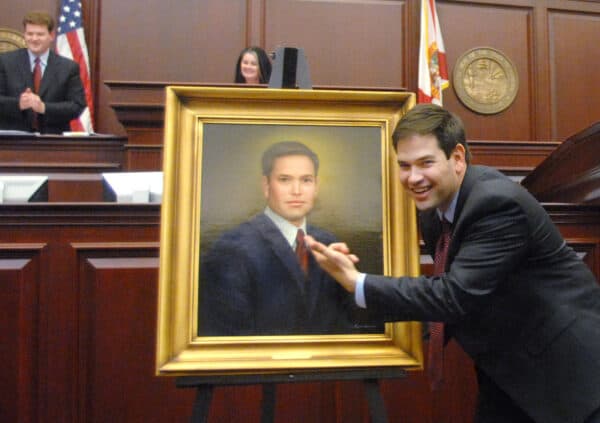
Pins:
x: 11, y: 40
x: 485, y: 80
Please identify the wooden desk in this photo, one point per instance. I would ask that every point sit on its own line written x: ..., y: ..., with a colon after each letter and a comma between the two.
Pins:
x: 571, y: 174
x: 59, y: 154
x: 139, y: 106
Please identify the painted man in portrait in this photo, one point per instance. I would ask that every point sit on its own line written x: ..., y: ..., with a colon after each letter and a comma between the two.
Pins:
x: 257, y: 279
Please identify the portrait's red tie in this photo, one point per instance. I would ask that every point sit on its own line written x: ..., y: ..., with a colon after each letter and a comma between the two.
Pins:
x: 436, y: 329
x: 37, y: 80
x: 301, y: 251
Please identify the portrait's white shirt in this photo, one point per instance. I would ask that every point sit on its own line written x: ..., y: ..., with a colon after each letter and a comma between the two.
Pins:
x: 289, y: 230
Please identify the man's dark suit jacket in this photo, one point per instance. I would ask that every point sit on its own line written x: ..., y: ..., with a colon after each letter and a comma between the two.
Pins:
x: 515, y: 296
x: 61, y: 90
x: 252, y: 284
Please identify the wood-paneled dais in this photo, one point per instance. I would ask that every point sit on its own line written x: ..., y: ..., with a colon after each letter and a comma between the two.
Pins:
x: 78, y: 294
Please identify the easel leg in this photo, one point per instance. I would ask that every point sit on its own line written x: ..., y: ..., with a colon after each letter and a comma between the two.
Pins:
x: 202, y: 404
x: 268, y: 403
x: 206, y: 384
x: 375, y: 400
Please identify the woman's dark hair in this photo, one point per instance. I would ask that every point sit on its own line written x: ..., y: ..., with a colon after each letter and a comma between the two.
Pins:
x: 264, y: 65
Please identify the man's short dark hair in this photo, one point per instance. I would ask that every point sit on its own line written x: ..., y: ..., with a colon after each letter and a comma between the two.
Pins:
x: 286, y: 148
x: 431, y: 119
x: 38, y: 17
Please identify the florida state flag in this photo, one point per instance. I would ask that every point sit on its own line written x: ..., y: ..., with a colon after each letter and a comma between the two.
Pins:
x: 433, y: 70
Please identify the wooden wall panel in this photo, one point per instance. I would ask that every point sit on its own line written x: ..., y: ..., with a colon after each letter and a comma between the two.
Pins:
x: 327, y: 402
x: 117, y: 309
x: 50, y: 233
x: 12, y: 12
x: 580, y: 226
x: 511, y: 157
x: 589, y: 250
x: 19, y: 293
x: 184, y: 41
x: 356, y: 43
x: 574, y: 71
x: 359, y: 43
x: 144, y: 157
x: 466, y: 26
x: 78, y: 287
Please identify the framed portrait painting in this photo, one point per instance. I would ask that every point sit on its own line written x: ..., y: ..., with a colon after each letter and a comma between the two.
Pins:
x: 213, y: 315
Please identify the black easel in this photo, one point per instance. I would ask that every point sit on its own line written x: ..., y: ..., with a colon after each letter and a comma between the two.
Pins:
x: 370, y: 378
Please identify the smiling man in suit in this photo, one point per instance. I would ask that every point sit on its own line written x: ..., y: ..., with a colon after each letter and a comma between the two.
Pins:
x: 254, y: 281
x: 513, y: 294
x: 49, y: 107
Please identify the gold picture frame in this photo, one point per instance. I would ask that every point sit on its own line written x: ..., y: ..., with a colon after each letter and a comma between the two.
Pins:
x: 189, y: 113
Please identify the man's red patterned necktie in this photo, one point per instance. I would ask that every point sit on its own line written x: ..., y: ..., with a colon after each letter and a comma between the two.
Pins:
x: 301, y: 251
x: 37, y: 80
x: 436, y: 329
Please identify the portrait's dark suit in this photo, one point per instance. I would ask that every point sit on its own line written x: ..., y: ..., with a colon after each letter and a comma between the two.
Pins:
x: 61, y: 91
x: 252, y: 284
x: 515, y: 296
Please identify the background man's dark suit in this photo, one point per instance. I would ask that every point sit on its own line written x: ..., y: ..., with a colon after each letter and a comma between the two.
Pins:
x: 252, y: 284
x: 517, y: 299
x: 61, y: 91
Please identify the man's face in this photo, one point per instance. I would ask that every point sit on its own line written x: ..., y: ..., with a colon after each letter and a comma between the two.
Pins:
x: 426, y: 174
x: 38, y: 38
x: 291, y: 189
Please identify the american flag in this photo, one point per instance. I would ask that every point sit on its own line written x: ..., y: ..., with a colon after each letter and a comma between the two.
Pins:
x: 433, y: 70
x: 70, y: 42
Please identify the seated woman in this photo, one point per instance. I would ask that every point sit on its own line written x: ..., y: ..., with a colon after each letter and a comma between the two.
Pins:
x: 253, y: 66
